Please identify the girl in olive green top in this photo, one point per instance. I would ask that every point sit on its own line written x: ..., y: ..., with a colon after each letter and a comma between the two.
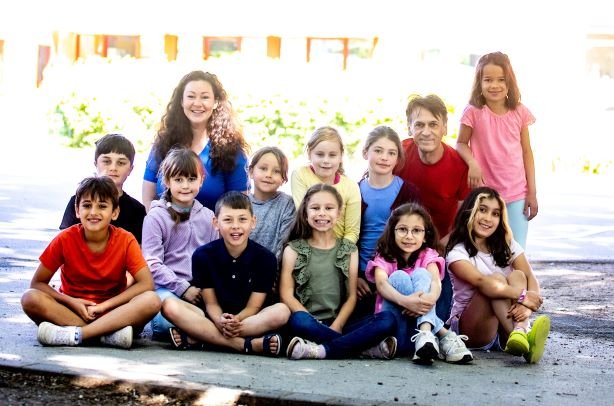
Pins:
x: 318, y: 284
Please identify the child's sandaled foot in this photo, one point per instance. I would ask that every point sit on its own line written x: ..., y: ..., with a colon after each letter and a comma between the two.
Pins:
x: 270, y: 345
x: 517, y: 343
x: 537, y: 339
x: 181, y: 341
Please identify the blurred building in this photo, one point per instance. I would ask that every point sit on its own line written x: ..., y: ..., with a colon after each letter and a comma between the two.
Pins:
x: 336, y: 34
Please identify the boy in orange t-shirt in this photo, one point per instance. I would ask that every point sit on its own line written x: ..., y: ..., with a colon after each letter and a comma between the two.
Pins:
x: 93, y: 257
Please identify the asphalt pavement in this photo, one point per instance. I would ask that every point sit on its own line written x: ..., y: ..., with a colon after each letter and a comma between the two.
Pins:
x: 570, y: 244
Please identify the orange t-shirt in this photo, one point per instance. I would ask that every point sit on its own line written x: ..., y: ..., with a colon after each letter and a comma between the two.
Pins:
x: 89, y: 275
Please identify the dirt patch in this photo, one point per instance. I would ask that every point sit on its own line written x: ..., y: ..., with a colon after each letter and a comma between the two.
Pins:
x: 19, y: 387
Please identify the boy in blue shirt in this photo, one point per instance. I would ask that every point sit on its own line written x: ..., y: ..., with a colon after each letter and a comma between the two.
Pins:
x: 114, y: 157
x: 236, y: 277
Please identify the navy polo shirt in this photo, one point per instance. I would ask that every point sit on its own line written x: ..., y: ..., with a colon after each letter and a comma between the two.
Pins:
x: 233, y: 279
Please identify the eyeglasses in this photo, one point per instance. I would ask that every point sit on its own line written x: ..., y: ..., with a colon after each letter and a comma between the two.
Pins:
x: 404, y: 231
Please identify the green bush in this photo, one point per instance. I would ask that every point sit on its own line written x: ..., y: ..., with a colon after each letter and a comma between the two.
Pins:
x: 275, y: 120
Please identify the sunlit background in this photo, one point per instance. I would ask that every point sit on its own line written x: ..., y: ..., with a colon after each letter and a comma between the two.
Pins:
x: 71, y: 71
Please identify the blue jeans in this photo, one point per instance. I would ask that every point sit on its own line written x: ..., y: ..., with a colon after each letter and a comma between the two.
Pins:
x: 519, y: 223
x: 444, y: 303
x: 357, y: 336
x: 159, y: 325
x: 419, y: 280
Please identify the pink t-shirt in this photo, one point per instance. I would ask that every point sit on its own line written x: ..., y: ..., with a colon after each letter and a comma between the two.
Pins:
x: 495, y: 144
x: 484, y: 263
x: 426, y: 257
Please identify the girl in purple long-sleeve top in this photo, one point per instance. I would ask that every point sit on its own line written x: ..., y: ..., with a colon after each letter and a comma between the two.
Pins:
x: 174, y: 227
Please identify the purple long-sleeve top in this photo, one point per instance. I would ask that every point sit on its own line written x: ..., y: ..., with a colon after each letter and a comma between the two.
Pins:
x: 168, y: 247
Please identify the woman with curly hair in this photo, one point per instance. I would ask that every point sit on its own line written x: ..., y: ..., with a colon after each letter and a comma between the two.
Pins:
x: 200, y: 117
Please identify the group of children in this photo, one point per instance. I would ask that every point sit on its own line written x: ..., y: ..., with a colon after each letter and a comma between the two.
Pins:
x: 266, y: 268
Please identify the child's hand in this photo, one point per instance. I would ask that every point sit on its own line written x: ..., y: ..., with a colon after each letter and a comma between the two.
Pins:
x: 192, y: 295
x: 417, y: 304
x: 231, y: 326
x: 80, y: 306
x: 363, y: 288
x: 475, y: 175
x: 96, y: 311
x: 429, y: 298
x: 532, y: 300
x: 530, y: 206
x: 519, y: 312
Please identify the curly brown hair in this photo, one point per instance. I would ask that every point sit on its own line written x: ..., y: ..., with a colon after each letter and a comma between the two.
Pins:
x: 225, y: 133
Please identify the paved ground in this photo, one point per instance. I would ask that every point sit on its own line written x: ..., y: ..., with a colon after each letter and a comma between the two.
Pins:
x: 577, y: 367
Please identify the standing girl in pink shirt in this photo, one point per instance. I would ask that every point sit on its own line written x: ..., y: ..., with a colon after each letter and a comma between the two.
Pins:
x: 494, y: 141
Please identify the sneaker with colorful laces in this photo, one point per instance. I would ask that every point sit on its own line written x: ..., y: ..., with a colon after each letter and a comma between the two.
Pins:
x: 427, y: 348
x: 121, y: 338
x: 303, y: 349
x: 517, y: 343
x: 453, y: 349
x: 51, y: 334
x: 386, y: 349
x: 537, y: 339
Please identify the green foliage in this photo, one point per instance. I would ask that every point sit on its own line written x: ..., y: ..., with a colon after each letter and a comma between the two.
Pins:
x: 275, y: 120
x: 279, y: 120
x: 82, y: 121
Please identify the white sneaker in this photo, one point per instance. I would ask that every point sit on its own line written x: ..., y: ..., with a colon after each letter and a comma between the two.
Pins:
x: 50, y: 334
x: 386, y: 349
x: 121, y: 338
x: 427, y: 348
x: 303, y: 349
x: 454, y: 349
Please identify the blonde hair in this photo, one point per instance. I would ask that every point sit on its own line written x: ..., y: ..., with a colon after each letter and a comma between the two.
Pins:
x: 325, y: 134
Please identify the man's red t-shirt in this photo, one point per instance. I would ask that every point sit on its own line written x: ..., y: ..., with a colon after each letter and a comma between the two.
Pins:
x: 440, y: 185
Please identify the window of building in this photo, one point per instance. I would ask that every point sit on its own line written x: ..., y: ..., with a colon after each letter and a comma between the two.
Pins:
x: 122, y: 46
x: 44, y: 54
x: 600, y: 55
x: 108, y: 46
x: 338, y: 52
x: 219, y: 47
x: 1, y: 61
x: 170, y: 47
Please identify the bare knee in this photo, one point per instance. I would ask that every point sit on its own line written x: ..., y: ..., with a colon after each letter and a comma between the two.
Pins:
x: 517, y: 278
x: 500, y: 277
x: 280, y: 313
x: 171, y: 307
x: 151, y: 301
x: 32, y: 303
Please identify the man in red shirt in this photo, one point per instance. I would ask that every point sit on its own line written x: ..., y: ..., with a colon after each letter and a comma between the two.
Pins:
x: 436, y: 169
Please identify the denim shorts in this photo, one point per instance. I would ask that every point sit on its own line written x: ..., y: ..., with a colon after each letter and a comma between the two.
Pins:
x: 494, y: 345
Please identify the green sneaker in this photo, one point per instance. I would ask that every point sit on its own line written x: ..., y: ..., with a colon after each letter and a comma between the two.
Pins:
x: 517, y: 343
x: 537, y: 339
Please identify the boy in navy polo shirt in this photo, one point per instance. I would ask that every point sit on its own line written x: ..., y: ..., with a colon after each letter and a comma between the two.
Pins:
x: 236, y: 276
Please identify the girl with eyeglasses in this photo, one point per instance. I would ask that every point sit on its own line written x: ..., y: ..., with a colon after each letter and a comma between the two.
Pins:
x: 407, y: 271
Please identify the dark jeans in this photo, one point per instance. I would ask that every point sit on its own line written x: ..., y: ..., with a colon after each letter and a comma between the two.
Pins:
x: 357, y: 336
x: 444, y: 303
